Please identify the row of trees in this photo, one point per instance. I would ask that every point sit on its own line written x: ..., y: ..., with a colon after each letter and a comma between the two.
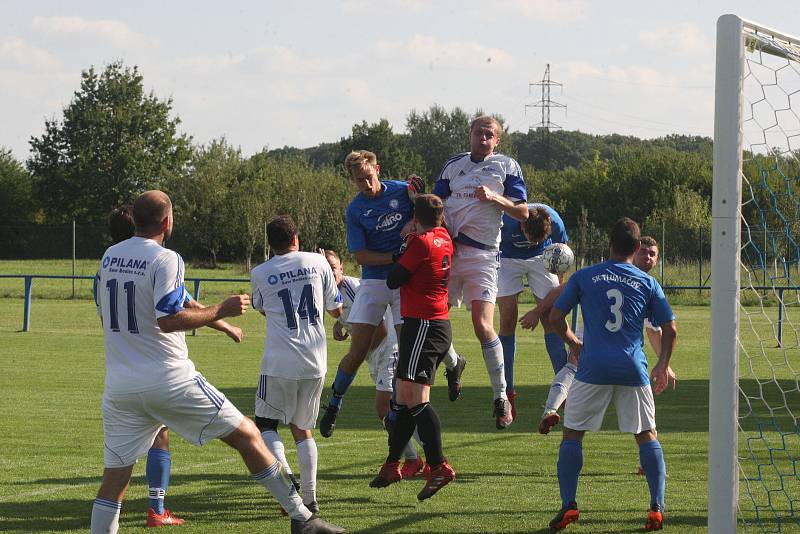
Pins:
x: 114, y: 140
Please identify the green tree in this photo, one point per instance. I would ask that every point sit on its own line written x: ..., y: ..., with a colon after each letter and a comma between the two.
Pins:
x: 204, y: 217
x: 113, y: 142
x: 437, y: 134
x: 16, y: 200
x: 395, y: 156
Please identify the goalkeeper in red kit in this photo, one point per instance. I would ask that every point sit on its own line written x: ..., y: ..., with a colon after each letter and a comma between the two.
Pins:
x: 421, y: 273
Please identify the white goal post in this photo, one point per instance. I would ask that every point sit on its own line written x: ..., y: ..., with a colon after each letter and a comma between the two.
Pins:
x: 743, y: 334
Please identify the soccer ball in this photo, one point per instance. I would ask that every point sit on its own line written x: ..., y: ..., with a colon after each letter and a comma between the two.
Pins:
x: 558, y: 258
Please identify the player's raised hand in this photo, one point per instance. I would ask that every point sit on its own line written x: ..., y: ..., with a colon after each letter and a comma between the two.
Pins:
x: 484, y: 193
x: 530, y: 320
x: 234, y: 305
x: 235, y: 333
x: 662, y: 376
x: 416, y: 186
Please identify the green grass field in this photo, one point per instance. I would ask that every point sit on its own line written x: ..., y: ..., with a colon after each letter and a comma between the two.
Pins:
x: 51, y: 442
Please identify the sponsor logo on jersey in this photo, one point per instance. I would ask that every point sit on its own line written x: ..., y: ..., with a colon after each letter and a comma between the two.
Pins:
x: 272, y: 279
x: 461, y: 172
x: 366, y: 213
x: 124, y: 263
x: 438, y: 241
x: 388, y: 221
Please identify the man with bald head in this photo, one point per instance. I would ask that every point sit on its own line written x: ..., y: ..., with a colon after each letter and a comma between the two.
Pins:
x: 151, y: 382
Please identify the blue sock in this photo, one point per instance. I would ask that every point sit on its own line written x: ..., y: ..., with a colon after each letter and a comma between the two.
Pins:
x: 556, y: 350
x: 655, y: 470
x: 509, y: 344
x: 157, y: 473
x: 570, y: 463
x: 340, y: 385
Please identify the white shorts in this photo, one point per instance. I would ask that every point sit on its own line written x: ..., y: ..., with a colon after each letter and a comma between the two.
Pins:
x: 512, y: 271
x: 473, y: 276
x: 371, y: 300
x: 382, y: 362
x: 194, y: 409
x: 586, y: 405
x: 289, y: 400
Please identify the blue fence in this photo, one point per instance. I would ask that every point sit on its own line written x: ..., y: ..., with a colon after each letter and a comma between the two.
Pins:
x: 28, y: 282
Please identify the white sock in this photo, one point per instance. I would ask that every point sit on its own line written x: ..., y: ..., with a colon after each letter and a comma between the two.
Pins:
x: 275, y: 445
x: 451, y: 358
x: 307, y: 461
x: 559, y: 387
x: 277, y: 482
x: 493, y: 356
x: 410, y: 452
x: 105, y: 516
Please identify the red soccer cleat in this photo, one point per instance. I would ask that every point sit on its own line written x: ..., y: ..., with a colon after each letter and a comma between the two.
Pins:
x: 655, y: 519
x: 568, y: 514
x: 413, y: 467
x: 548, y: 421
x: 512, y: 400
x: 389, y: 474
x: 439, y: 477
x: 162, y: 520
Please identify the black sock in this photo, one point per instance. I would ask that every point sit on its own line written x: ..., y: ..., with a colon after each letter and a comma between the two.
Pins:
x: 400, y: 432
x: 430, y: 432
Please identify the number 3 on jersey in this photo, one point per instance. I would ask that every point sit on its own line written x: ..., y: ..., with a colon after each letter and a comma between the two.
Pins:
x: 615, y: 295
x: 305, y: 308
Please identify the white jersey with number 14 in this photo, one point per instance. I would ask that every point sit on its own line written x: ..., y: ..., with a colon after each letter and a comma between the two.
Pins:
x: 294, y: 290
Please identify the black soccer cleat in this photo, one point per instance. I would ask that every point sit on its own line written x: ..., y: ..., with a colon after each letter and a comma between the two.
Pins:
x: 454, y: 379
x: 502, y: 413
x: 313, y: 507
x: 328, y: 422
x: 315, y: 525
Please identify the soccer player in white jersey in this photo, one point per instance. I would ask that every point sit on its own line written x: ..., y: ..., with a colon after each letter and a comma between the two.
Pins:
x: 615, y: 297
x: 477, y: 188
x: 150, y: 380
x: 382, y: 357
x: 291, y: 289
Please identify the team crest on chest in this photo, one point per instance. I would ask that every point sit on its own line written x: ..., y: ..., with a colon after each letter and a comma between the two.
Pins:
x: 393, y: 203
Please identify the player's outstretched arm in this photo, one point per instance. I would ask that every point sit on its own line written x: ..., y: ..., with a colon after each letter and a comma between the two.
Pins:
x: 531, y: 319
x: 558, y: 320
x: 370, y: 257
x: 233, y: 332
x: 190, y: 318
x: 662, y: 374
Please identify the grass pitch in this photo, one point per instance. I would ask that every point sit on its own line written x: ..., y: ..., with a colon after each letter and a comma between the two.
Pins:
x: 51, y: 442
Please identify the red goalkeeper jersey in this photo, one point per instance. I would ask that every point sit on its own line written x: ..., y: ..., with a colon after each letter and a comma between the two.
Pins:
x: 427, y: 258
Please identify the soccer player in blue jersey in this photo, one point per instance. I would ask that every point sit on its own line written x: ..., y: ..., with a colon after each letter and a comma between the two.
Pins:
x: 615, y: 298
x: 521, y: 248
x: 478, y: 187
x: 376, y: 218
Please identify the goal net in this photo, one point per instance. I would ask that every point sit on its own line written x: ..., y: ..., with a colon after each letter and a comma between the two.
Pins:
x: 754, y: 449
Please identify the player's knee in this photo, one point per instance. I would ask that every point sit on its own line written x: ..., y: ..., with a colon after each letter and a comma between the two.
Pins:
x: 264, y: 424
x: 645, y: 436
x: 161, y: 440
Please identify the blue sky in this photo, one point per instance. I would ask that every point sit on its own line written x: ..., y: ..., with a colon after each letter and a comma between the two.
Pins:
x: 299, y: 73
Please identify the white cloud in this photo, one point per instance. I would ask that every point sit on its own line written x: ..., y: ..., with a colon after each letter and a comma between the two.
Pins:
x: 386, y: 7
x: 579, y: 72
x: 114, y: 31
x: 685, y: 38
x: 549, y: 10
x: 25, y: 54
x: 451, y: 54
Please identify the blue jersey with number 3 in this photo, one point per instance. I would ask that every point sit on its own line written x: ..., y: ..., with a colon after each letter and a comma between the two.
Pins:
x: 615, y: 299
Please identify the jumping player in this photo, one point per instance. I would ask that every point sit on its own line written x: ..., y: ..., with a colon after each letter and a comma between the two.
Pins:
x: 521, y: 248
x: 382, y: 357
x: 422, y: 274
x: 477, y: 188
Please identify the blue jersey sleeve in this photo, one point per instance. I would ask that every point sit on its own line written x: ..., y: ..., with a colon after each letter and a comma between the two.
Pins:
x: 514, y: 184
x: 442, y: 188
x: 558, y: 232
x: 570, y: 296
x: 659, y: 311
x: 356, y: 236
